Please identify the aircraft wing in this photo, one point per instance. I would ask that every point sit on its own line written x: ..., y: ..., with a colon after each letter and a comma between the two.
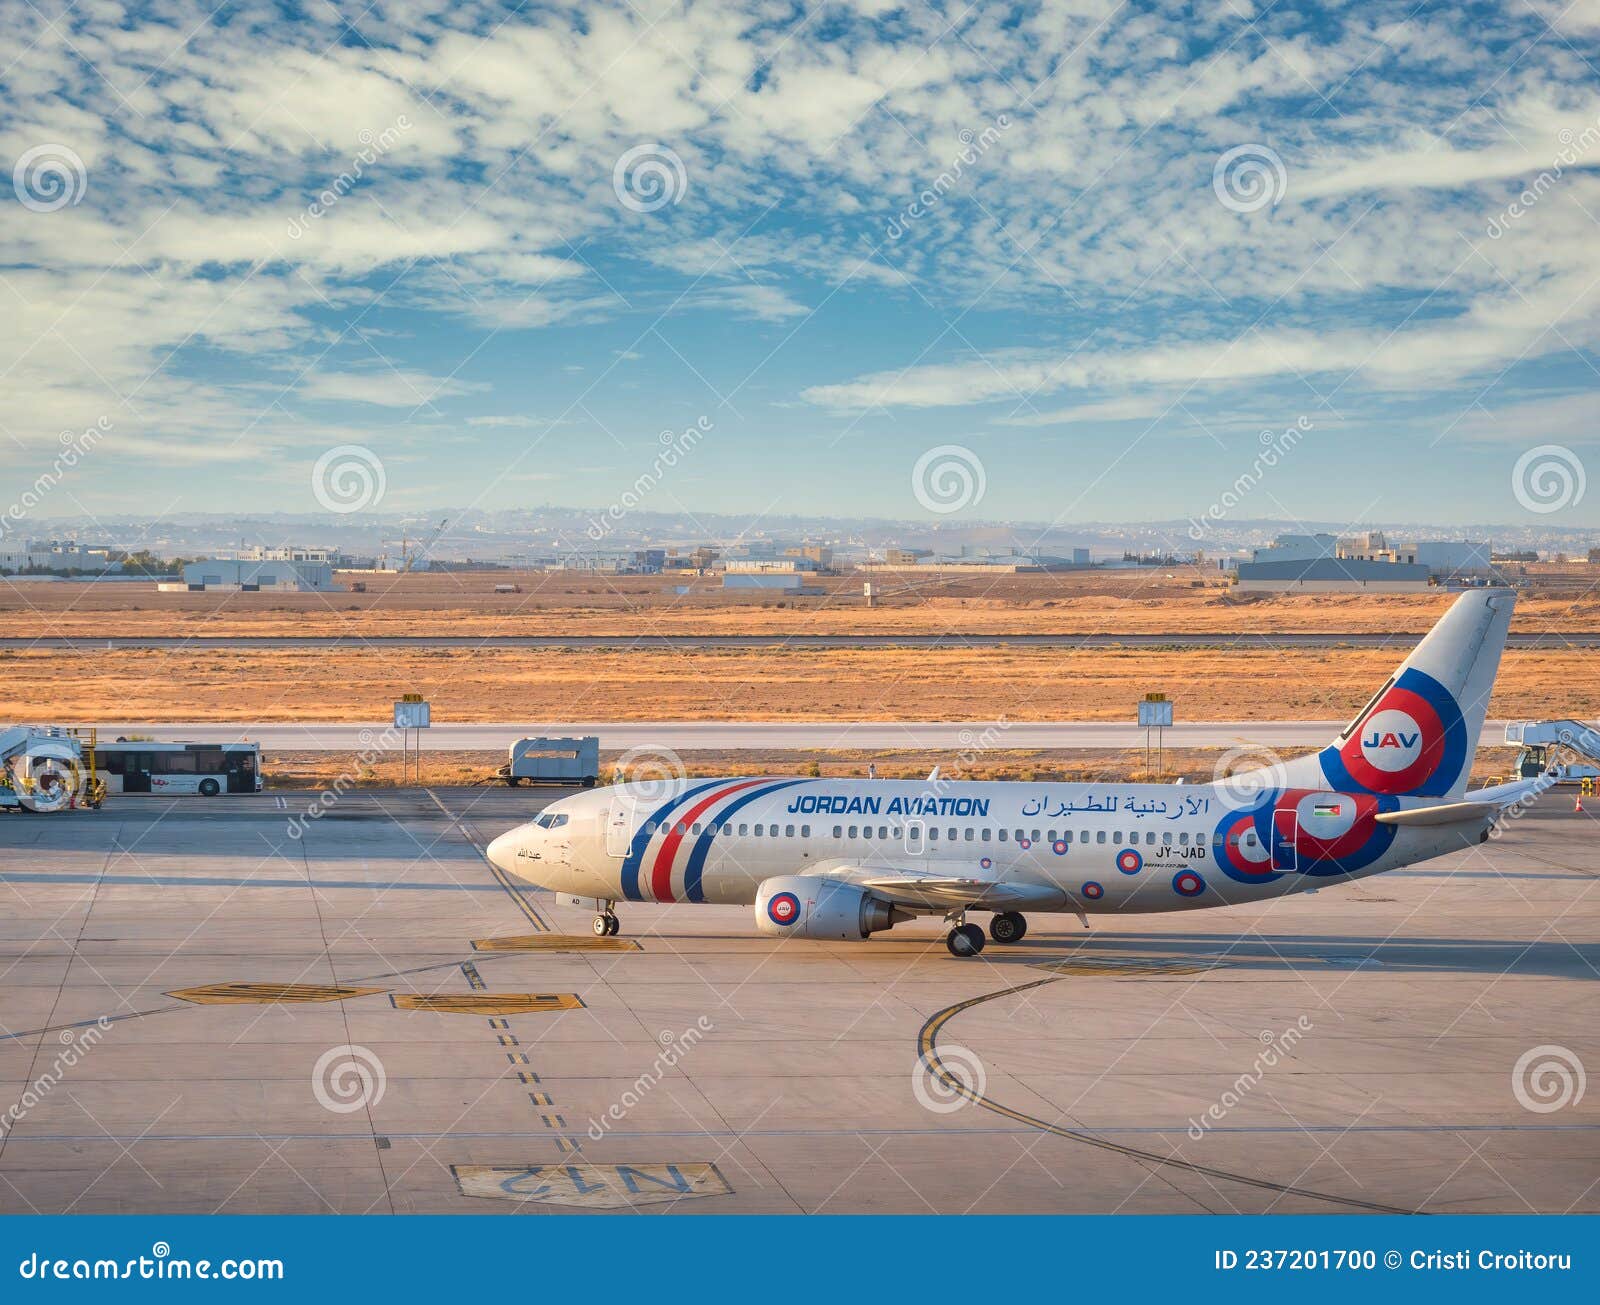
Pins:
x: 932, y: 890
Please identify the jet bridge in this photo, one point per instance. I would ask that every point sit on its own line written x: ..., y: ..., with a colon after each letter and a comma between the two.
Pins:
x: 1541, y: 739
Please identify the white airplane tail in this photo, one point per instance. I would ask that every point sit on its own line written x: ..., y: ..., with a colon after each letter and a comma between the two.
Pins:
x: 1418, y: 734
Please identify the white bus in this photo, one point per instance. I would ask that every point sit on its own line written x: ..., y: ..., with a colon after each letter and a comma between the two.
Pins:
x: 204, y: 768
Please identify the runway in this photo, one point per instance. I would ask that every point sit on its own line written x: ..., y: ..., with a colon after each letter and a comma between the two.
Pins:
x: 206, y: 1011
x: 732, y: 736
x: 1176, y: 641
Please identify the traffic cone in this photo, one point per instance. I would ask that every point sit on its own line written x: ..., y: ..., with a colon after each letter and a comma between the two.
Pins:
x: 1577, y: 804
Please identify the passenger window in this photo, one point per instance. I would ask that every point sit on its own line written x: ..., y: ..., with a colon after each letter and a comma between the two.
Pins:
x: 805, y: 831
x: 649, y: 826
x: 1001, y: 835
x: 1167, y: 838
x: 933, y: 831
x: 838, y: 831
x: 1053, y: 836
x: 1099, y: 835
x: 743, y: 830
x: 952, y: 833
x: 758, y: 831
x: 1150, y: 838
x: 1035, y: 835
x: 1066, y: 836
x: 1183, y: 840
x: 852, y: 831
x: 788, y: 831
x: 986, y: 832
x: 695, y: 828
x: 969, y: 833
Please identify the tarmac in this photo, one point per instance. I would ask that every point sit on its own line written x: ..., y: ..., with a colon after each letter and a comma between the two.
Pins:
x: 234, y: 1004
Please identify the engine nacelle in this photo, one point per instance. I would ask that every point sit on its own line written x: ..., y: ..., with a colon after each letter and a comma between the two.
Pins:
x: 805, y: 906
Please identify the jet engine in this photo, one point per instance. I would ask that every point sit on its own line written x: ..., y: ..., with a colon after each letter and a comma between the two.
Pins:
x: 805, y: 906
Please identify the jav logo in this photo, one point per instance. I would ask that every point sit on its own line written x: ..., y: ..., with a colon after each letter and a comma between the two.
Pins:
x: 1391, y: 740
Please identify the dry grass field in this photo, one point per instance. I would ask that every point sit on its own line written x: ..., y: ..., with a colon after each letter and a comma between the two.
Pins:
x: 552, y: 686
x: 1145, y: 602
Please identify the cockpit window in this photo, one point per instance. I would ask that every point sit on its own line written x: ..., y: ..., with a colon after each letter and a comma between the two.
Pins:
x: 550, y: 821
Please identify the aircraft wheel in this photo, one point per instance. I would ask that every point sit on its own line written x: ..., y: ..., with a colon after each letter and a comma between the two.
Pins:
x: 602, y: 925
x: 965, y: 940
x: 613, y: 926
x: 1008, y: 927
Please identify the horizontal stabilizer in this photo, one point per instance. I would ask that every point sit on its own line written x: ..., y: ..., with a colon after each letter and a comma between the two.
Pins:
x: 1451, y: 813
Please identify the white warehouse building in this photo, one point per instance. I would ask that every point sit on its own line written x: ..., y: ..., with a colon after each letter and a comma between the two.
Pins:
x: 285, y: 577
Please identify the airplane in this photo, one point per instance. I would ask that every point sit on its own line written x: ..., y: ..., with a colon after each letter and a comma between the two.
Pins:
x: 849, y: 858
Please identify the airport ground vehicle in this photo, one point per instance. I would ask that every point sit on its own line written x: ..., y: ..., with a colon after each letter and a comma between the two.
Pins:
x: 843, y: 859
x: 140, y: 766
x: 553, y: 761
x: 46, y: 768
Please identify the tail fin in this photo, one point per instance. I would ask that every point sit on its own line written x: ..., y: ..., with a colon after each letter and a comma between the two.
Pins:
x: 1418, y: 734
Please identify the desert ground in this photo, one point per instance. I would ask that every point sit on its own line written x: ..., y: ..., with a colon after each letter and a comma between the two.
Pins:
x: 1186, y: 600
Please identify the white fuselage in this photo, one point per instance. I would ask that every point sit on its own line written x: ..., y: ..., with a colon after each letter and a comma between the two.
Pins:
x: 1099, y: 847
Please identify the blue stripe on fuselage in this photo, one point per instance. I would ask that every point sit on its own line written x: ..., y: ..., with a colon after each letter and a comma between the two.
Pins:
x: 702, y: 847
x: 641, y: 840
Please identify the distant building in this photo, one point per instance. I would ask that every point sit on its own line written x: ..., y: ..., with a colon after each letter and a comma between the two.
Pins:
x: 779, y: 582
x: 1333, y: 575
x: 816, y: 553
x: 60, y: 555
x: 234, y: 573
x: 769, y: 565
x: 1080, y: 557
x: 906, y: 556
x: 1297, y: 548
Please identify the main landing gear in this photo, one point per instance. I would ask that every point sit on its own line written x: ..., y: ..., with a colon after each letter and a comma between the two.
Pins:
x: 606, y: 924
x: 964, y: 940
x: 1008, y: 927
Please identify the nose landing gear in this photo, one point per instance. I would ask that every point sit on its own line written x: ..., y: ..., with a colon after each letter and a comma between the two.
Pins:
x: 606, y: 924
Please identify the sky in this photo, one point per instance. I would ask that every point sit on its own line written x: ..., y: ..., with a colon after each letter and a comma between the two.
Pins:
x: 1063, y: 262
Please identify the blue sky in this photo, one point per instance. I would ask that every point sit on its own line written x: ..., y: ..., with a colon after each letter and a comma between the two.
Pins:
x: 1145, y: 236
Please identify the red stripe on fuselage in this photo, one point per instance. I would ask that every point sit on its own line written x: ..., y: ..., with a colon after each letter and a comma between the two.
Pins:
x: 661, y: 875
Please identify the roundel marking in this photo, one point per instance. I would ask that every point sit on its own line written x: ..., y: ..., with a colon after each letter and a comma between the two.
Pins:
x: 1059, y: 847
x: 1241, y: 844
x: 784, y: 908
x: 1188, y: 884
x: 1024, y: 843
x: 1093, y: 891
x: 985, y: 863
x: 1412, y: 742
x: 1129, y: 861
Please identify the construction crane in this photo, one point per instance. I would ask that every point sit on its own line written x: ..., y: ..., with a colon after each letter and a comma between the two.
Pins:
x: 407, y: 557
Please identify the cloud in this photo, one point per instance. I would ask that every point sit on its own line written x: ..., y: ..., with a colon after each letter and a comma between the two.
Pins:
x: 390, y: 388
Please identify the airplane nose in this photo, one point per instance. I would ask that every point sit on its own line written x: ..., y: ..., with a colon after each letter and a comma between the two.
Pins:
x: 502, y: 849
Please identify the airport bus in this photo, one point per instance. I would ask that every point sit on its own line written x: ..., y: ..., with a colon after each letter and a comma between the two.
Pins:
x: 204, y: 768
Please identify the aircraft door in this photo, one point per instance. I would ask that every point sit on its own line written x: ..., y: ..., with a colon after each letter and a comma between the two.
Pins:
x: 619, y: 826
x: 1286, y: 839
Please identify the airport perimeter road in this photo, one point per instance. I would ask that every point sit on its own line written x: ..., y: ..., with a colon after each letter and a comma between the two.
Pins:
x: 725, y: 736
x: 688, y: 642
